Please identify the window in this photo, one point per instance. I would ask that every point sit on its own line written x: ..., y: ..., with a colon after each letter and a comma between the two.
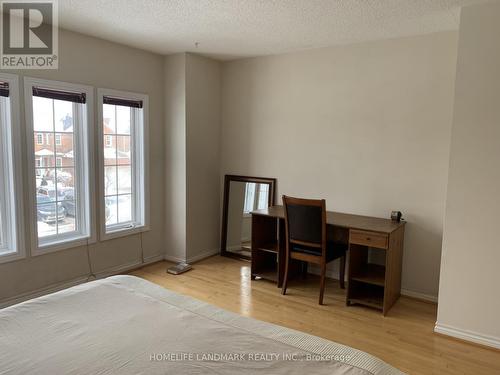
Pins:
x: 123, y: 162
x: 256, y: 197
x: 262, y: 199
x: 39, y: 139
x: 61, y: 204
x: 11, y: 246
x: 249, y: 197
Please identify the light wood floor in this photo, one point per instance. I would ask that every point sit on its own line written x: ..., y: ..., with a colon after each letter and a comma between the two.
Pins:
x: 404, y: 338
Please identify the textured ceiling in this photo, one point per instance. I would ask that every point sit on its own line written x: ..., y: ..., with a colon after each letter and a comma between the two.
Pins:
x: 228, y: 29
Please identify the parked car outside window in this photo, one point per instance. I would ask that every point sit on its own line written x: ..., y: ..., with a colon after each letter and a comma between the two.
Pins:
x: 48, y: 211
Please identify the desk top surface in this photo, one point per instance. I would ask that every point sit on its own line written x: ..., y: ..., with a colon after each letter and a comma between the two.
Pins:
x: 339, y: 219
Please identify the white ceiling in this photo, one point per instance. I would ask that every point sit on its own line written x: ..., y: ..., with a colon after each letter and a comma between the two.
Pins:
x: 227, y: 29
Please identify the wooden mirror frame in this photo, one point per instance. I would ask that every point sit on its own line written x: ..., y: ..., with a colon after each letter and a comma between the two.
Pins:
x: 227, y: 183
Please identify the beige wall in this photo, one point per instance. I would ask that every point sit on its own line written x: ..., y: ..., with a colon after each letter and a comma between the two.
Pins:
x: 365, y: 126
x: 192, y: 152
x: 175, y: 156
x: 99, y: 63
x: 469, y: 296
x: 203, y: 114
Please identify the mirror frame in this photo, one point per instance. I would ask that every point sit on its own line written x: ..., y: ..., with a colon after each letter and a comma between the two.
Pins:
x: 227, y: 182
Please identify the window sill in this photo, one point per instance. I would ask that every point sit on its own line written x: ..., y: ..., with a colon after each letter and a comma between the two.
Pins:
x: 10, y: 257
x: 123, y: 232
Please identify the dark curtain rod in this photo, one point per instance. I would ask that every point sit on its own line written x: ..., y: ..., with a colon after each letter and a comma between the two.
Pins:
x: 4, y: 89
x: 75, y: 97
x: 123, y: 102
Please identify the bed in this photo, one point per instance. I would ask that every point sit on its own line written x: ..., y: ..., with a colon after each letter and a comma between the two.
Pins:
x: 127, y: 325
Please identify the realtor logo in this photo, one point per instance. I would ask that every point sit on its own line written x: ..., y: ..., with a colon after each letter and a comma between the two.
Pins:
x: 29, y: 37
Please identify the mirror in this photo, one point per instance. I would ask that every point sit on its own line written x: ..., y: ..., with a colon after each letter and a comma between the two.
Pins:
x: 242, y: 195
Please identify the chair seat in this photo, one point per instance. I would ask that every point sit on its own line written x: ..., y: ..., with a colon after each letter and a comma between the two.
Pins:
x: 334, y: 250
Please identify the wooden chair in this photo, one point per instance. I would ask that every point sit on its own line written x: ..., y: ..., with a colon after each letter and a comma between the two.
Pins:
x: 306, y: 238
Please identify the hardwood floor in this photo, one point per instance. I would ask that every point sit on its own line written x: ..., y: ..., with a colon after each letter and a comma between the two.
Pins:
x: 404, y: 338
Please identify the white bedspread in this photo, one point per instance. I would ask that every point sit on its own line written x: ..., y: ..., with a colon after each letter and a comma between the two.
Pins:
x: 126, y: 325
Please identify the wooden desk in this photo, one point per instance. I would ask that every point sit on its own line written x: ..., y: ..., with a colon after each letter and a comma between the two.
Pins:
x: 373, y: 285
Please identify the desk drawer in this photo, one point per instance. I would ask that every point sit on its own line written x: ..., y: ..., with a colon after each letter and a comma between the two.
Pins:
x: 372, y: 239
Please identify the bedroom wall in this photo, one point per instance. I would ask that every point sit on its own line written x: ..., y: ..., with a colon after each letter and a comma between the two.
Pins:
x: 203, y: 114
x: 192, y: 153
x: 175, y: 156
x: 99, y: 63
x: 365, y: 126
x: 469, y: 303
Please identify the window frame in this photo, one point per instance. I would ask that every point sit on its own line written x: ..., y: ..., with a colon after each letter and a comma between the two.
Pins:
x: 142, y: 156
x: 86, y: 175
x: 256, y: 198
x: 14, y: 148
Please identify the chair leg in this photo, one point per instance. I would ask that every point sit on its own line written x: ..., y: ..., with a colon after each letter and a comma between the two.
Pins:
x: 342, y: 272
x: 322, y: 282
x: 285, y: 276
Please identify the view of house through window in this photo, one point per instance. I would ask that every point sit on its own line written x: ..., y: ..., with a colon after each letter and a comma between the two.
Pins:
x: 123, y: 162
x: 53, y: 121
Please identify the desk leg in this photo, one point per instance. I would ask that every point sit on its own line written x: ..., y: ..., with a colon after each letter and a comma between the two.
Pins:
x: 342, y: 272
x: 281, y: 251
x: 394, y: 264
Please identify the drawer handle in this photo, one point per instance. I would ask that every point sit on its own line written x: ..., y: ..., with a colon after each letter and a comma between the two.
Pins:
x: 368, y: 239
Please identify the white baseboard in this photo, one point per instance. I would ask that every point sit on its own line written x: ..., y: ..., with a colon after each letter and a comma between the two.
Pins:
x: 203, y: 255
x: 467, y: 335
x: 330, y: 273
x: 174, y: 259
x: 42, y: 291
x: 124, y: 268
x: 154, y: 259
x: 418, y: 295
x: 193, y: 259
x: 68, y: 284
x: 333, y: 274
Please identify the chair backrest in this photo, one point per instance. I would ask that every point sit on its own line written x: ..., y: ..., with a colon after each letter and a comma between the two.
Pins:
x: 305, y: 222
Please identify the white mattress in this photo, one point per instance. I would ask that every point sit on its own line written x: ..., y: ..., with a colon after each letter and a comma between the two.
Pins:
x: 126, y: 325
